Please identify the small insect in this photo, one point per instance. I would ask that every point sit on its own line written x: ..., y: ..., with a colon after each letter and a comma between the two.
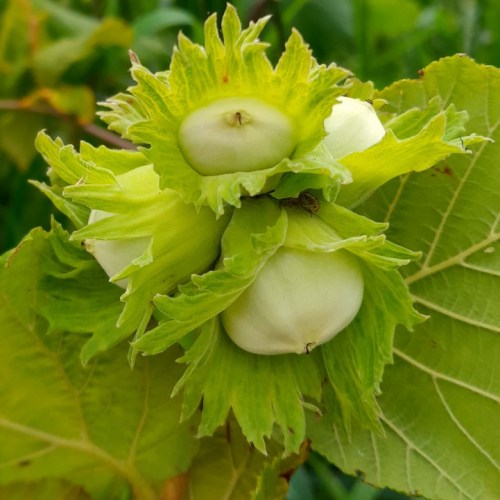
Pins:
x: 369, y: 101
x: 463, y: 146
x: 305, y: 200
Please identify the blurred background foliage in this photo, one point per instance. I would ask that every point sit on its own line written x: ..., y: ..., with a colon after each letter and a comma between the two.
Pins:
x: 319, y: 480
x: 58, y: 57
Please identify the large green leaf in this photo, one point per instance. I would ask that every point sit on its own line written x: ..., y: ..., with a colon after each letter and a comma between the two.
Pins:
x: 441, y: 398
x: 106, y: 428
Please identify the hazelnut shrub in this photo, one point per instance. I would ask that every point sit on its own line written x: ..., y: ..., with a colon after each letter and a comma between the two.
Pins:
x: 233, y: 230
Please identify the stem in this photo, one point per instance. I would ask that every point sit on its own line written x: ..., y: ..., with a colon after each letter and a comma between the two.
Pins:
x: 202, y: 8
x: 107, y: 136
x: 89, y: 128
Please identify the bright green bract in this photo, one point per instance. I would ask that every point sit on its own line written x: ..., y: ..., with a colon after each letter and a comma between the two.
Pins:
x: 176, y: 239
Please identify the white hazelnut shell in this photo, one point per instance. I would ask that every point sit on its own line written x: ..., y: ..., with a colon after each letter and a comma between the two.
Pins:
x: 353, y: 126
x: 299, y: 300
x: 114, y: 255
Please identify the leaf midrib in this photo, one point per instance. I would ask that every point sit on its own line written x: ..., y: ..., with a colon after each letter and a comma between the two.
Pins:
x: 462, y: 429
x: 424, y: 455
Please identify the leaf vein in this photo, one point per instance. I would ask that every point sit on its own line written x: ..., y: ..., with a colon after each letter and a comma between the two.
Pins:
x: 442, y: 376
x: 30, y: 456
x: 377, y: 458
x: 462, y: 428
x: 341, y: 449
x: 454, y: 198
x: 424, y: 455
x: 144, y: 416
x: 454, y: 315
x: 402, y: 182
x: 408, y: 467
x: 480, y: 269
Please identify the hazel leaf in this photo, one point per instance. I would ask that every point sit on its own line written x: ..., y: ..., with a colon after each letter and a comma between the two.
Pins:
x: 95, y: 427
x: 440, y: 398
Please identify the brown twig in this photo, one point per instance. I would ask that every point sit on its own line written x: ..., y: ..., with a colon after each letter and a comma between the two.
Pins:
x: 107, y: 136
x: 89, y: 128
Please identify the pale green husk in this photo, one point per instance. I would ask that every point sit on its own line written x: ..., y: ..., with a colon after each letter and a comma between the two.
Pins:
x: 237, y: 67
x: 182, y: 240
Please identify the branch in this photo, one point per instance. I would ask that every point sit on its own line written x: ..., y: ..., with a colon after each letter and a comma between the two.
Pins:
x: 89, y: 128
x: 107, y: 136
